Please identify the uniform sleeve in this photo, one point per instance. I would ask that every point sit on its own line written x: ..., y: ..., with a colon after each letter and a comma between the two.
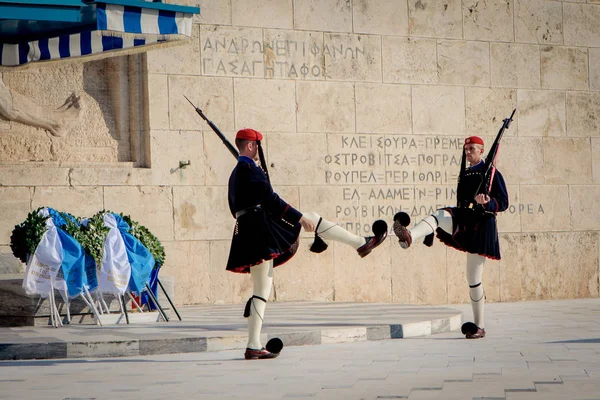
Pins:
x: 271, y: 201
x: 498, y: 195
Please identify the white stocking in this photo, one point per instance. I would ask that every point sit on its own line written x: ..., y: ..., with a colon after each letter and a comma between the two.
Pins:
x: 262, y: 280
x: 475, y: 264
x: 428, y: 225
x: 330, y: 231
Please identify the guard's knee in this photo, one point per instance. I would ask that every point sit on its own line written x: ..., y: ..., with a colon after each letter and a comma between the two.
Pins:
x: 471, y: 290
x: 249, y: 304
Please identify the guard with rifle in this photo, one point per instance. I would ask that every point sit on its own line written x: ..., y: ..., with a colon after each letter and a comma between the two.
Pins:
x: 471, y: 225
x: 267, y: 230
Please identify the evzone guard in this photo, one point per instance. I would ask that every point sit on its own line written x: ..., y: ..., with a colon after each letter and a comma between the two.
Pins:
x: 471, y: 225
x: 267, y: 230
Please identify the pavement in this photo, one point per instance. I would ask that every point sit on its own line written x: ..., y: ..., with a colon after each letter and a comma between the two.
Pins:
x: 222, y: 327
x: 533, y: 350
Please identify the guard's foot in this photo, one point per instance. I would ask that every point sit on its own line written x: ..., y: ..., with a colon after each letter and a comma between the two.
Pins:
x: 480, y: 334
x: 472, y: 331
x: 401, y: 221
x: 262, y: 354
x: 380, y: 231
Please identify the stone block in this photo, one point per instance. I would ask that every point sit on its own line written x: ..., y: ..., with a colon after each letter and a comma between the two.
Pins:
x: 510, y: 220
x: 169, y: 149
x: 188, y: 263
x: 583, y: 114
x: 33, y: 174
x: 219, y: 161
x: 325, y: 107
x: 172, y: 345
x: 298, y: 159
x: 215, y: 12
x: 515, y: 65
x: 375, y: 113
x: 409, y: 60
x: 351, y: 274
x: 115, y: 175
x: 490, y: 20
x: 294, y: 55
x: 151, y: 206
x: 438, y: 110
x: 430, y: 18
x: 380, y: 17
x: 9, y: 264
x: 227, y: 287
x: 456, y: 276
x: 232, y: 51
x: 352, y: 57
x: 263, y: 13
x: 16, y: 204
x: 227, y: 342
x: 545, y: 208
x: 329, y: 202
x: 487, y: 108
x: 521, y: 160
x: 323, y: 15
x: 564, y: 68
x: 214, y: 96
x: 596, y: 160
x: 419, y: 273
x: 202, y: 213
x: 307, y: 277
x: 265, y: 105
x: 345, y: 155
x: 567, y: 161
x: 594, y: 55
x: 463, y: 63
x: 78, y: 201
x: 122, y: 348
x: 28, y: 351
x: 538, y: 21
x: 177, y: 59
x: 585, y: 207
x: 556, y: 265
x: 541, y: 113
x: 581, y: 24
x: 158, y: 101
x: 343, y: 335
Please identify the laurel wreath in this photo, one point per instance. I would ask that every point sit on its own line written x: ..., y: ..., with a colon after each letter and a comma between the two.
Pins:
x: 26, y: 236
x: 90, y: 233
x: 148, y: 239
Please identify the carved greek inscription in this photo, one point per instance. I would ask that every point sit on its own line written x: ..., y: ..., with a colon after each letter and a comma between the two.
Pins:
x: 380, y: 176
x: 230, y: 55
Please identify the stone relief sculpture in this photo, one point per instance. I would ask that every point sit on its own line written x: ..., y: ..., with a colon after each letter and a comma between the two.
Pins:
x: 19, y: 108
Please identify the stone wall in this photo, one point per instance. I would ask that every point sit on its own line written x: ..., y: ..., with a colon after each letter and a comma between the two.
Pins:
x: 364, y: 106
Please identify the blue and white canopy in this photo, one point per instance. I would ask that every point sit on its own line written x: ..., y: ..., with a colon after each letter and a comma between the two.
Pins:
x: 51, y: 30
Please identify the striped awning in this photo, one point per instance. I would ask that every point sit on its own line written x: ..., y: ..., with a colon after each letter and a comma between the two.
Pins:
x: 104, y: 28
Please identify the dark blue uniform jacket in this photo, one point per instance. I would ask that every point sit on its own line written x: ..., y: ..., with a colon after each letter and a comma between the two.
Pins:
x: 474, y: 229
x: 268, y: 228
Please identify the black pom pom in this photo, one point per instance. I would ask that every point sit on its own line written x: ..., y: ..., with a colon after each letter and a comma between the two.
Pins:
x: 274, y: 346
x: 379, y: 227
x: 469, y: 328
x: 403, y: 218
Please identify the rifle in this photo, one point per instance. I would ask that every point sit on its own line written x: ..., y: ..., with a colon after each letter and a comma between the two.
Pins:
x: 464, y: 196
x: 490, y: 160
x: 226, y: 142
